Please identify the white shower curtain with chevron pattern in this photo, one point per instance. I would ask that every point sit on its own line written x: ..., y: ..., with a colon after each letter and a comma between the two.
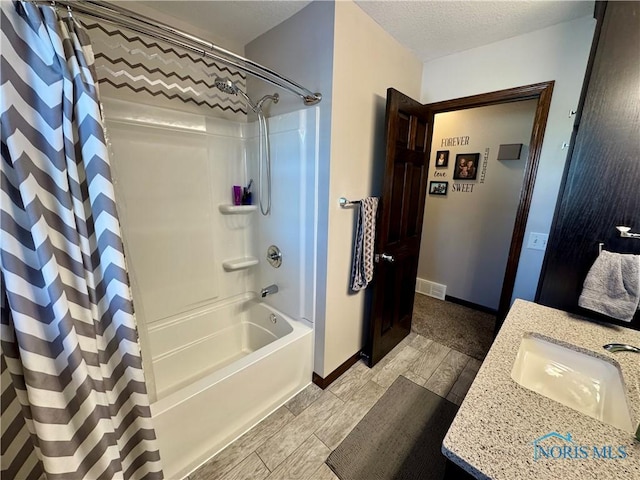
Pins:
x: 74, y: 401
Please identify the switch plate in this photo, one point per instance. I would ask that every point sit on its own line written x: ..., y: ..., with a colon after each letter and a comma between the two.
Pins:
x: 537, y: 241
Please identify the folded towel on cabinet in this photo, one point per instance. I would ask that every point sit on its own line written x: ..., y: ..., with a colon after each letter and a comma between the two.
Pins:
x: 362, y: 267
x: 612, y: 286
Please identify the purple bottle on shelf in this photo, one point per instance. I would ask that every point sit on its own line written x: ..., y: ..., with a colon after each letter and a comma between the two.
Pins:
x: 237, y: 195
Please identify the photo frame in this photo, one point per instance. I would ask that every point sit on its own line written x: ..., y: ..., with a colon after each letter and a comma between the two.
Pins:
x: 438, y: 188
x: 466, y: 167
x: 442, y: 158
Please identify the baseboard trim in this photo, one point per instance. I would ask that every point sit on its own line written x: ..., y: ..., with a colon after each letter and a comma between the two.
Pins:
x: 472, y: 305
x: 333, y: 376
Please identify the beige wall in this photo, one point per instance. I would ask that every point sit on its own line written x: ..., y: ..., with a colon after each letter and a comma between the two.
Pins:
x: 366, y: 61
x: 466, y: 234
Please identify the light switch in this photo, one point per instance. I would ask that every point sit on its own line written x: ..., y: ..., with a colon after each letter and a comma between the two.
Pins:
x: 538, y: 241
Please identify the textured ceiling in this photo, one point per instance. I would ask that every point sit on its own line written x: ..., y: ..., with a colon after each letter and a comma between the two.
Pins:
x: 430, y: 29
x: 434, y: 29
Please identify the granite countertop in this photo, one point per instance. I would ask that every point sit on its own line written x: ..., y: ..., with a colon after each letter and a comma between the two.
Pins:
x: 493, y: 433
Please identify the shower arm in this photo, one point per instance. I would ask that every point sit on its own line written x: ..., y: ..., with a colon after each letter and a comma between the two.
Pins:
x: 123, y: 17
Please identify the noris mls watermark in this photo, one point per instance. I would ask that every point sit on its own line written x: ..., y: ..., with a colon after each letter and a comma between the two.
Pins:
x: 554, y: 446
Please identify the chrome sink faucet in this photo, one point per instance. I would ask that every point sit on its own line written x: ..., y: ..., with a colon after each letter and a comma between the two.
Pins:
x: 620, y: 347
x: 270, y: 290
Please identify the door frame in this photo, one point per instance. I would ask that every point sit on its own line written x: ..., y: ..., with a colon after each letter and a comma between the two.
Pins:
x: 542, y: 92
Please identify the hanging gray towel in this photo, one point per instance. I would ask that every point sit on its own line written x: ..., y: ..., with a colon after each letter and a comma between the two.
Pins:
x: 362, y: 268
x: 612, y: 286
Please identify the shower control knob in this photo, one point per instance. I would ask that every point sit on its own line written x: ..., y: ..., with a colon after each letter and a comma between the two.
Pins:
x: 274, y: 256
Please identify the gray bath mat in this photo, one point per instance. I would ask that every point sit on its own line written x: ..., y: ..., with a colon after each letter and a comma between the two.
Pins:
x: 400, y: 438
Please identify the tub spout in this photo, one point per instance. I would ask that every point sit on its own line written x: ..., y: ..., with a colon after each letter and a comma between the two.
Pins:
x: 270, y: 290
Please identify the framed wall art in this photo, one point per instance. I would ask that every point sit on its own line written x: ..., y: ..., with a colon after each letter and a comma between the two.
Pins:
x: 442, y: 158
x: 466, y: 166
x: 438, y: 188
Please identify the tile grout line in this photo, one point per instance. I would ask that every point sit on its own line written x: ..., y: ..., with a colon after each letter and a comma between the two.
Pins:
x: 263, y: 462
x: 255, y: 450
x: 236, y: 464
x: 457, y: 376
x: 329, y: 448
x: 287, y: 457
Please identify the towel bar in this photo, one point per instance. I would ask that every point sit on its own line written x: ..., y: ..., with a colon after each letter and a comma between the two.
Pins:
x: 625, y: 233
x: 345, y: 203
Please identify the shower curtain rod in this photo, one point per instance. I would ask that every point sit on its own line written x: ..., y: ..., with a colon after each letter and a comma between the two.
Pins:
x: 145, y: 25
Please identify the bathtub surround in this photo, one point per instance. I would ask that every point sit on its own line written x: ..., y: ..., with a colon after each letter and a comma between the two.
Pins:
x: 291, y: 225
x: 69, y: 336
x: 198, y: 264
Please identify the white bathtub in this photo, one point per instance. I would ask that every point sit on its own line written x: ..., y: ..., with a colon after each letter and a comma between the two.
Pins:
x: 248, y: 367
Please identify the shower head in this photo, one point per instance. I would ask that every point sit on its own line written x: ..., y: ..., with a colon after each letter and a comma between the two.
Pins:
x: 226, y: 86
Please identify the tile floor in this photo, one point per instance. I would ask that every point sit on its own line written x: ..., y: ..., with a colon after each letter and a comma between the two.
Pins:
x: 294, y: 441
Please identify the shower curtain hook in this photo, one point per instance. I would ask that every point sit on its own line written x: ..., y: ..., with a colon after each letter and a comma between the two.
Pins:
x: 69, y: 12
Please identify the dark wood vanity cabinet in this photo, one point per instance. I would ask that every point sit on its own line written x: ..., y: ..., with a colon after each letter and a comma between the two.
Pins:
x: 601, y: 184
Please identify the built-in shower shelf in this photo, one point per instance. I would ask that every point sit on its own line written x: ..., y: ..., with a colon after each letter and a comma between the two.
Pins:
x: 237, y: 209
x: 239, y: 263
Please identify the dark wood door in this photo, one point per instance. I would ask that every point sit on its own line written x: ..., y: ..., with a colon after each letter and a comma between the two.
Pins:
x: 600, y: 188
x: 408, y: 136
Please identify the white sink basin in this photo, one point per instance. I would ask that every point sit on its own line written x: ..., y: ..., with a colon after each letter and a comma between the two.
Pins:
x: 583, y: 382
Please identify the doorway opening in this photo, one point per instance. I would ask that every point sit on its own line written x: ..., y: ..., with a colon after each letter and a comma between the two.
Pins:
x: 541, y: 95
x: 479, y: 157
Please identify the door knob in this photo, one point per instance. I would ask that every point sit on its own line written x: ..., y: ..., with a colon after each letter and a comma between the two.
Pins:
x: 385, y: 257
